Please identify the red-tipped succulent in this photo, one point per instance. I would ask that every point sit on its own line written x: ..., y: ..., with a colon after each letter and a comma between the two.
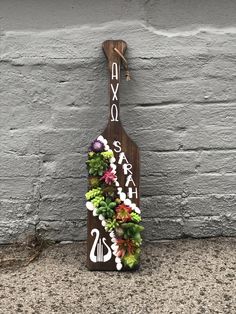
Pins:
x: 123, y: 213
x: 108, y: 176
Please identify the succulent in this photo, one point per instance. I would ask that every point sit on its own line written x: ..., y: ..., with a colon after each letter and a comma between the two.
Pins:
x: 97, y: 200
x: 111, y: 224
x: 119, y: 231
x: 132, y: 231
x: 97, y: 146
x: 135, y: 217
x: 131, y: 260
x: 106, y: 208
x: 94, y: 182
x: 126, y: 246
x: 110, y: 191
x: 107, y: 155
x: 109, y: 176
x: 123, y: 213
x: 93, y: 193
x: 96, y: 165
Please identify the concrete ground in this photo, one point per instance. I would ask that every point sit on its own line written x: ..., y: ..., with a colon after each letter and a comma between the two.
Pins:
x: 182, y: 276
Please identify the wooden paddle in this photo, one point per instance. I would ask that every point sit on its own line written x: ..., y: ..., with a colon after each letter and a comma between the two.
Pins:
x: 126, y: 153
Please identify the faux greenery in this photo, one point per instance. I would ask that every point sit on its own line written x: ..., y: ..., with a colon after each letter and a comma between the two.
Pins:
x: 120, y: 218
x: 106, y: 208
x: 96, y: 165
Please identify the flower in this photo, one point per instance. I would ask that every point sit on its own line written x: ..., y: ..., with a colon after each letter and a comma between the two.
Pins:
x: 97, y: 146
x: 108, y: 176
x: 123, y: 213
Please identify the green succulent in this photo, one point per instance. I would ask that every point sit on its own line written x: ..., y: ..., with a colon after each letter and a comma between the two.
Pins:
x: 93, y: 193
x: 97, y: 200
x: 131, y: 260
x: 110, y: 191
x: 106, y: 208
x: 96, y: 165
x: 132, y: 231
x: 94, y: 182
x: 107, y: 155
x: 135, y: 217
x: 111, y: 224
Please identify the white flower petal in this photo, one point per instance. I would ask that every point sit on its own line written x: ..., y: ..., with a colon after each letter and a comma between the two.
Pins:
x: 113, y: 240
x: 118, y: 260
x: 112, y: 160
x: 101, y: 139
x: 113, y: 166
x: 95, y: 212
x: 107, y: 147
x: 117, y: 183
x: 103, y: 223
x: 101, y: 217
x: 118, y: 266
x: 133, y: 206
x: 137, y: 210
x: 127, y: 202
x: 122, y: 196
x: 112, y: 234
x: 114, y: 247
x: 90, y: 206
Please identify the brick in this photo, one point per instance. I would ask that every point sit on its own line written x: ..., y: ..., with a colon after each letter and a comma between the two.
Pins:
x: 16, y: 230
x: 20, y: 117
x: 19, y: 166
x: 62, y: 166
x: 209, y: 137
x: 18, y: 188
x: 158, y: 229
x: 80, y: 117
x: 169, y: 184
x: 157, y: 140
x: 17, y: 209
x: 202, y: 227
x: 229, y: 225
x: 210, y: 184
x: 66, y: 141
x: 172, y: 162
x: 209, y: 205
x: 217, y: 161
x: 63, y: 230
x: 61, y: 188
x: 19, y: 142
x: 62, y: 209
x: 164, y: 206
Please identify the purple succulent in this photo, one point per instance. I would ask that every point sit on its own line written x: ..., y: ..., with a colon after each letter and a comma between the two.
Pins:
x: 97, y: 146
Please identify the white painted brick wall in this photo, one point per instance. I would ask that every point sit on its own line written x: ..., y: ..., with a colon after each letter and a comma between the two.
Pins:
x: 180, y: 108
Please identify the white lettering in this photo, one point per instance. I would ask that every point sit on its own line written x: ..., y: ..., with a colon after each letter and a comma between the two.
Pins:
x: 129, y: 179
x: 127, y: 168
x: 114, y: 91
x: 121, y: 158
x: 130, y: 193
x: 114, y: 109
x: 117, y: 145
x: 114, y: 71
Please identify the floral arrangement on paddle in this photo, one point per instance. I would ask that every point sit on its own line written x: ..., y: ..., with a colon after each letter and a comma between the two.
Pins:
x: 119, y: 216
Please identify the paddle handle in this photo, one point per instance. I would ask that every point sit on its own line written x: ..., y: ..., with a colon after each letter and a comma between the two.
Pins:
x: 113, y: 50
